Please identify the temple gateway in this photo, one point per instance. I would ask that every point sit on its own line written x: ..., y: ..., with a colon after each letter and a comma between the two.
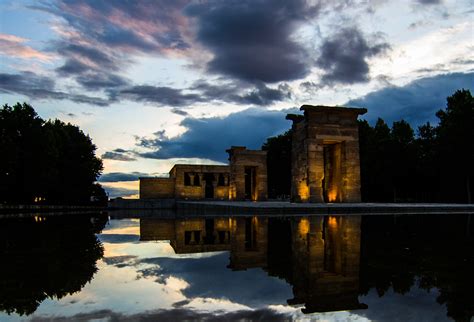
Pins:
x: 325, y: 165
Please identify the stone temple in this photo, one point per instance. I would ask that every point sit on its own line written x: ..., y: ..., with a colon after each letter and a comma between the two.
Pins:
x: 325, y: 165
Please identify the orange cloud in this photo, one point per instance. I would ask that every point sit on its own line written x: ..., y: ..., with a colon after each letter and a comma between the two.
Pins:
x: 14, y: 46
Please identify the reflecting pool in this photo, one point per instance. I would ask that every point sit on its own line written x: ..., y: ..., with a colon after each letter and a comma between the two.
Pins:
x: 332, y: 268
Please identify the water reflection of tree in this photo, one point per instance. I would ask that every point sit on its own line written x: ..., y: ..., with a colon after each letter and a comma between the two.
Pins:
x: 426, y: 252
x: 46, y: 257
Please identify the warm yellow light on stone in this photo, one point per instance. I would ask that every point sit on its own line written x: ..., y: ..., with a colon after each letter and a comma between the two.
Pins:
x: 332, y: 196
x: 303, y: 191
x: 303, y: 226
x: 332, y: 222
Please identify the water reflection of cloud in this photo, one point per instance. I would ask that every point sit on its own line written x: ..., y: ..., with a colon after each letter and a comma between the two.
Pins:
x: 210, y: 278
x: 119, y: 238
x: 415, y: 305
x: 122, y: 226
x: 118, y: 289
x: 172, y: 315
x: 142, y: 250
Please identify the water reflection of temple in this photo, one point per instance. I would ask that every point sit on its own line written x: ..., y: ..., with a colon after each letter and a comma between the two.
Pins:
x: 318, y: 255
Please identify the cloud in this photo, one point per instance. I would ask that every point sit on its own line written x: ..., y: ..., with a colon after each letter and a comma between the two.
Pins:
x: 121, y: 176
x: 114, y: 192
x: 98, y: 39
x: 178, y: 314
x: 117, y: 239
x: 14, y: 46
x: 416, y: 102
x: 162, y: 95
x: 210, y: 137
x: 209, y: 277
x: 143, y: 26
x: 42, y: 87
x: 179, y: 112
x: 344, y: 56
x: 201, y: 91
x: 118, y: 155
x: 241, y: 93
x: 428, y: 2
x: 252, y: 40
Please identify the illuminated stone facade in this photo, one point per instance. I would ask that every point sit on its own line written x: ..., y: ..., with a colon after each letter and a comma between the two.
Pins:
x: 188, y: 181
x: 325, y: 154
x: 248, y: 174
x: 244, y: 179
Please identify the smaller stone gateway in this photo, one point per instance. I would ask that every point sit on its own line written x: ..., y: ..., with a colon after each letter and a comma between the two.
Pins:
x: 244, y: 179
x: 325, y: 165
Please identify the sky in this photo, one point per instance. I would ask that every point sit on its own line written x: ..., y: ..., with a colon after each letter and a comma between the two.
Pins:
x: 155, y: 83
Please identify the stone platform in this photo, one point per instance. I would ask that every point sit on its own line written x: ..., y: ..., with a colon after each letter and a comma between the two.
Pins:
x: 287, y: 208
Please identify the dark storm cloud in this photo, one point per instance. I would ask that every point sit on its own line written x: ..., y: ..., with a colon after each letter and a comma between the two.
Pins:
x: 41, y: 87
x: 98, y: 38
x: 118, y: 155
x: 100, y: 80
x: 344, y: 57
x: 161, y: 95
x: 428, y: 2
x: 251, y: 40
x: 416, y: 102
x: 252, y: 43
x: 138, y: 26
x: 179, y: 112
x: 94, y: 55
x: 243, y: 93
x: 210, y: 137
x: 121, y: 176
x: 238, y: 93
x: 72, y: 67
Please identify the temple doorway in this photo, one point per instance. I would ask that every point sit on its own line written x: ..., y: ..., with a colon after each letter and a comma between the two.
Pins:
x: 250, y: 183
x: 332, y: 182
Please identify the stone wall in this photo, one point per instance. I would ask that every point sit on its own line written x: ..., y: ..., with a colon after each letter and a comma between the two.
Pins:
x: 254, y: 163
x: 198, y: 176
x: 157, y: 188
x: 333, y: 176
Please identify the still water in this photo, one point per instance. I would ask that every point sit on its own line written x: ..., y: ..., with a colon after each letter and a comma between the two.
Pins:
x: 328, y: 268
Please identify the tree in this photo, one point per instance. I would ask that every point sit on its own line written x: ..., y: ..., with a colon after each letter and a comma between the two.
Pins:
x: 24, y: 153
x: 279, y: 164
x: 403, y: 154
x: 50, y: 161
x: 455, y: 135
x: 76, y: 166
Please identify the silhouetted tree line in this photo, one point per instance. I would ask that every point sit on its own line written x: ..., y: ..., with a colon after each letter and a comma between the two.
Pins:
x: 426, y: 252
x: 45, y: 161
x: 279, y: 165
x: 46, y: 257
x: 435, y: 165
